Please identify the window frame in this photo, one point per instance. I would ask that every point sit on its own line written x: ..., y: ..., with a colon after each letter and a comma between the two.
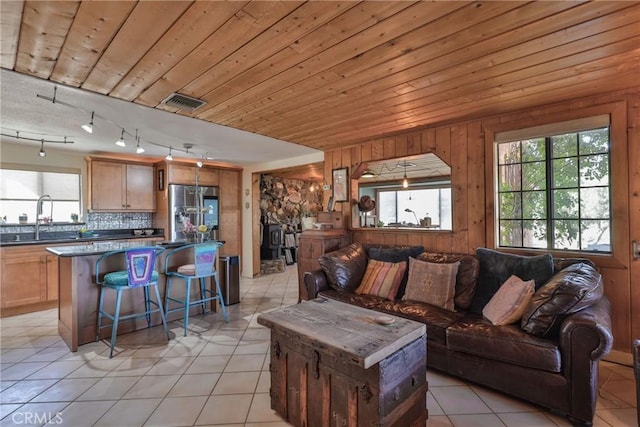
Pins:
x: 51, y: 169
x: 550, y: 188
x: 616, y: 110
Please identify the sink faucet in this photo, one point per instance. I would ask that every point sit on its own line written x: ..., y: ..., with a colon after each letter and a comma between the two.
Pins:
x: 39, y: 204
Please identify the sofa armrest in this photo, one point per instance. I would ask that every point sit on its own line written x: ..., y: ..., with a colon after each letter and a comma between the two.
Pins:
x: 314, y: 282
x: 588, y: 331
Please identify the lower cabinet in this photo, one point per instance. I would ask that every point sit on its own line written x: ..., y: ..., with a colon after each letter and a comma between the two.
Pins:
x: 29, y: 279
x: 313, y: 244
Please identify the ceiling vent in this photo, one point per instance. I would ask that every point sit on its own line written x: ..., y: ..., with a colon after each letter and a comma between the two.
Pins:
x: 183, y: 102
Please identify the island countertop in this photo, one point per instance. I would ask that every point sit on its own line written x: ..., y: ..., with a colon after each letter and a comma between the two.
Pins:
x: 99, y: 248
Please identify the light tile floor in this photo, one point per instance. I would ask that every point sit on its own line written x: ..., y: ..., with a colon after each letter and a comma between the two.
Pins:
x: 218, y: 375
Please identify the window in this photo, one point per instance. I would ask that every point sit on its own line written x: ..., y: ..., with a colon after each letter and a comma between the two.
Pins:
x: 21, y: 188
x: 553, y: 192
x: 408, y: 208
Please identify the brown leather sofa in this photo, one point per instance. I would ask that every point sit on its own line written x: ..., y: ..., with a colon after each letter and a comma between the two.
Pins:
x: 559, y: 372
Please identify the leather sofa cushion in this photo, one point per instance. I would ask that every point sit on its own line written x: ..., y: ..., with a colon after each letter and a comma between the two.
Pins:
x: 475, y: 335
x: 395, y: 254
x: 466, y: 278
x: 345, y: 267
x: 496, y: 267
x: 435, y: 318
x: 575, y: 288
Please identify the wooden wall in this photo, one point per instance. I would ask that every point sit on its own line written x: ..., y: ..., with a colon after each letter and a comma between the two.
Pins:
x: 467, y: 148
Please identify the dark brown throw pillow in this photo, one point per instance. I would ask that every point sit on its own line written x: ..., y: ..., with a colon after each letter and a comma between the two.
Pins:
x: 568, y: 291
x: 345, y: 267
x: 396, y: 254
x: 465, y: 279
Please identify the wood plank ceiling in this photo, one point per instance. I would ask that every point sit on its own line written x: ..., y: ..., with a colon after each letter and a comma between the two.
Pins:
x: 329, y: 74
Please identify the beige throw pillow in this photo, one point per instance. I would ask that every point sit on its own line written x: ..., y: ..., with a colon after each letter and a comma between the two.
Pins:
x: 433, y: 283
x: 382, y: 279
x: 509, y: 303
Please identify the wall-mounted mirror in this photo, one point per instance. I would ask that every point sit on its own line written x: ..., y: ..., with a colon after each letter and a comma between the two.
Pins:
x: 408, y: 192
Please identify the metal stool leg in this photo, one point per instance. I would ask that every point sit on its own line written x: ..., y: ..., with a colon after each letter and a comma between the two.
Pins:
x: 167, y: 295
x: 101, y: 291
x: 163, y: 315
x: 187, y: 301
x: 116, y: 317
x: 147, y: 306
x: 203, y: 295
x: 222, y: 306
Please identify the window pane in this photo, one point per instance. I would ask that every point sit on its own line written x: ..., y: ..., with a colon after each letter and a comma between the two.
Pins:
x: 564, y: 145
x: 510, y: 206
x: 387, y: 207
x: 594, y: 141
x: 446, y: 212
x: 565, y: 173
x: 12, y: 209
x: 594, y: 203
x: 596, y: 236
x: 534, y: 234
x: 61, y: 186
x: 594, y: 170
x: 533, y: 150
x: 565, y: 234
x: 509, y: 152
x: 565, y: 204
x: 510, y: 178
x: 18, y: 185
x: 511, y: 233
x: 534, y: 205
x: 534, y: 176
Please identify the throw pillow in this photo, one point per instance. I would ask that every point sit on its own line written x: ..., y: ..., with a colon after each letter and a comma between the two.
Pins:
x: 382, y: 278
x: 396, y: 254
x: 510, y: 302
x: 345, y: 267
x: 570, y: 290
x: 466, y: 277
x: 433, y: 283
x: 496, y: 267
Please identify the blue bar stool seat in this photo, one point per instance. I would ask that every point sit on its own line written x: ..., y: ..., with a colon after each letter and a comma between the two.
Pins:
x: 205, y: 256
x: 140, y: 273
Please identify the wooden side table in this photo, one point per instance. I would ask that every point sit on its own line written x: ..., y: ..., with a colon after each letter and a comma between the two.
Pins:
x: 333, y: 364
x: 313, y: 244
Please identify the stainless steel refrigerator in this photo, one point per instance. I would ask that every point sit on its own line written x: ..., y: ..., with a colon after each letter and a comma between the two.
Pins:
x: 191, y: 206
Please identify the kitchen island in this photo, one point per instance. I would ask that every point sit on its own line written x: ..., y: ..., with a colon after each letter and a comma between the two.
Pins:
x: 78, y: 293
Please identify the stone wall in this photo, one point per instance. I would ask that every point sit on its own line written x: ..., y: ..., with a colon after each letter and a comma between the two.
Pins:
x: 287, y: 201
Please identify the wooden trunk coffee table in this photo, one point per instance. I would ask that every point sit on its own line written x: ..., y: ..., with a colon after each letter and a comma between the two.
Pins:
x: 333, y: 364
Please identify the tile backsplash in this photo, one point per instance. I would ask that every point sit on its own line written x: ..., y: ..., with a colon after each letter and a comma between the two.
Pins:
x: 94, y: 221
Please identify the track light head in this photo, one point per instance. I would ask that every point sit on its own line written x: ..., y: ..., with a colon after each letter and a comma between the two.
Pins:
x: 169, y: 156
x: 120, y: 142
x: 139, y: 149
x: 88, y: 127
x: 42, y: 153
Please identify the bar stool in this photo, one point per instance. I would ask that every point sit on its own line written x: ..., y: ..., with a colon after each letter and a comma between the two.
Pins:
x: 205, y: 256
x: 140, y: 273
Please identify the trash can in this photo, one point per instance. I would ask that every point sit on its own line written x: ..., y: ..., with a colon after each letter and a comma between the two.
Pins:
x: 229, y: 276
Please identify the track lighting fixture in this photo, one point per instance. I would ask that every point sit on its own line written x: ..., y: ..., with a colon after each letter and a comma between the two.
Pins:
x: 199, y: 163
x: 139, y: 149
x: 169, y: 156
x: 120, y: 142
x: 88, y: 127
x: 42, y: 153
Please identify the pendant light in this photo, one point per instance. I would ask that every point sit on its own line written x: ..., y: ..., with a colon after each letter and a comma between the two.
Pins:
x: 120, y: 142
x: 42, y: 153
x: 405, y: 182
x: 88, y: 127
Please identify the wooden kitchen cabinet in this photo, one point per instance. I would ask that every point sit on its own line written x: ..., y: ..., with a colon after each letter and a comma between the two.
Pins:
x: 118, y: 186
x: 311, y: 245
x: 186, y: 174
x: 29, y: 279
x: 230, y: 211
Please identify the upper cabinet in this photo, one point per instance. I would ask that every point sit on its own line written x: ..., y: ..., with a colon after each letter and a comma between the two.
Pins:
x: 186, y: 174
x: 119, y: 186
